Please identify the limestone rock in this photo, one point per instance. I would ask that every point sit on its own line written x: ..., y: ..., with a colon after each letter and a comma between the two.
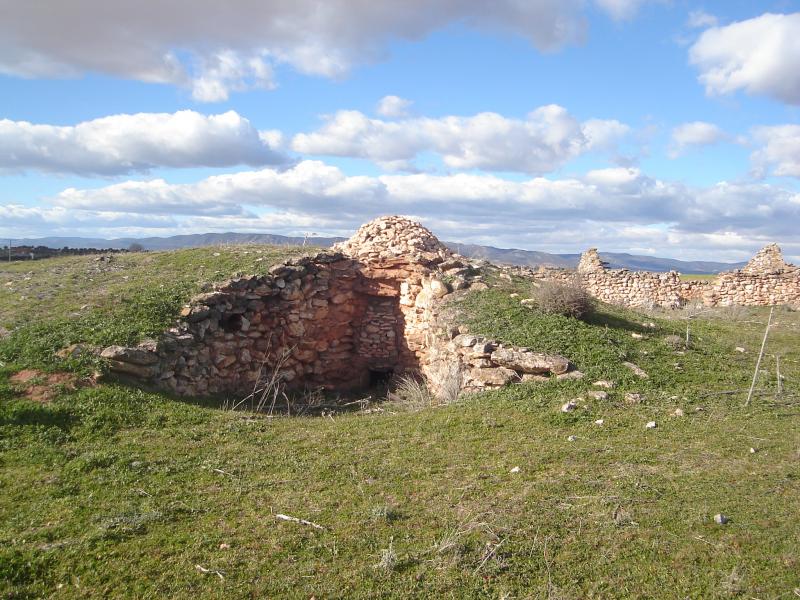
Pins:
x: 133, y: 369
x: 530, y: 362
x: 633, y: 398
x: 571, y: 375
x: 136, y: 356
x: 494, y: 377
x: 71, y: 351
x: 638, y: 371
x: 569, y: 406
x: 602, y: 383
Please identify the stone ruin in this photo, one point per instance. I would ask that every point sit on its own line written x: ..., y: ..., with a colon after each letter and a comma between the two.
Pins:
x: 375, y: 306
x: 766, y: 280
x: 340, y: 320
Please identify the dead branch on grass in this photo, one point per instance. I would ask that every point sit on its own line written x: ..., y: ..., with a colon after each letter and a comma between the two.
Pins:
x: 283, y: 517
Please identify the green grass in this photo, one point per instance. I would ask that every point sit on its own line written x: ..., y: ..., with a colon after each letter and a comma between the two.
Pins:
x: 114, y: 492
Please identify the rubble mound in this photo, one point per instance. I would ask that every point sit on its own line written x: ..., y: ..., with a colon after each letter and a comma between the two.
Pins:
x: 590, y: 262
x: 393, y: 237
x: 768, y: 260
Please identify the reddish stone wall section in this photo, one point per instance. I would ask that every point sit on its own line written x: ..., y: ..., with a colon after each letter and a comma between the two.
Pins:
x: 322, y: 321
x: 331, y: 321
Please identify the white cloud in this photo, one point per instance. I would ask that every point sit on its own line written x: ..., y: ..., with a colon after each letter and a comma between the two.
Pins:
x: 227, y: 71
x: 393, y: 107
x: 694, y: 134
x: 779, y: 151
x: 214, y: 48
x: 620, y: 9
x: 700, y: 18
x: 121, y: 144
x: 18, y: 221
x: 615, y: 208
x: 759, y: 55
x: 544, y: 141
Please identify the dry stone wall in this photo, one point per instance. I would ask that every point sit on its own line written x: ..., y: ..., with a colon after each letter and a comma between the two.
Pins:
x: 374, y: 305
x: 766, y: 280
x: 328, y: 320
x: 334, y: 320
x: 641, y: 289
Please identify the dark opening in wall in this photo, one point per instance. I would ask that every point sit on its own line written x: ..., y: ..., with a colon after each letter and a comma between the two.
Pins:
x: 231, y: 323
x: 380, y: 377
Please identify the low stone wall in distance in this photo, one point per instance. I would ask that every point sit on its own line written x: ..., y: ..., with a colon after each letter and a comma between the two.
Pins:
x: 766, y: 280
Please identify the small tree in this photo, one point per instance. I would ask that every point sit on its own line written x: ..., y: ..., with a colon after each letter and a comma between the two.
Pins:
x: 136, y: 247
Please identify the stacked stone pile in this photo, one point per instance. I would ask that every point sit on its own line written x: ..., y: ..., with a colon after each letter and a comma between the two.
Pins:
x: 766, y: 280
x: 768, y: 261
x: 481, y: 363
x: 590, y: 262
x: 395, y: 237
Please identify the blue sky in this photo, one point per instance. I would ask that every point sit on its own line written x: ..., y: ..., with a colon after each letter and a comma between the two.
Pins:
x: 662, y: 127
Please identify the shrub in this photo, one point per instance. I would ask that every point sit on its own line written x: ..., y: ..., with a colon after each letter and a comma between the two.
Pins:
x: 566, y: 299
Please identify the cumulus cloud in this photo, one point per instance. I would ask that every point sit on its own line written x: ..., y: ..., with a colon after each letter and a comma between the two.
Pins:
x: 544, y: 141
x: 615, y: 208
x: 759, y: 55
x: 122, y: 144
x: 214, y: 48
x: 699, y: 19
x: 779, y: 151
x: 393, y: 107
x: 694, y: 134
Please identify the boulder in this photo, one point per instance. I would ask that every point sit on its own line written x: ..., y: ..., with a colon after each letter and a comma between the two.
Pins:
x: 135, y: 370
x: 530, y: 362
x: 135, y: 356
x: 494, y: 377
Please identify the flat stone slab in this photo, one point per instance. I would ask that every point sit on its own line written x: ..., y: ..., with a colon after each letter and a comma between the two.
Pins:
x: 530, y: 362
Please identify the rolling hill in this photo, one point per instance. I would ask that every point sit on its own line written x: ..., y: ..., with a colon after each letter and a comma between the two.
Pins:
x: 512, y: 256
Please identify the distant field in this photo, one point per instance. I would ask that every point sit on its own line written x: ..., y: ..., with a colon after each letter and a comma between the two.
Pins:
x: 690, y: 277
x: 109, y: 491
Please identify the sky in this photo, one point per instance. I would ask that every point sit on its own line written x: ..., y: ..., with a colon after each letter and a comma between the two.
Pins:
x: 664, y: 127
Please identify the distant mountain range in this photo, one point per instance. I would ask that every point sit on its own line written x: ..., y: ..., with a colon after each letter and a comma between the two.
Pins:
x: 527, y: 258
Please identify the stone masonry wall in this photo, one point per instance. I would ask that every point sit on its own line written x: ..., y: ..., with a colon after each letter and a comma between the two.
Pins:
x: 330, y: 321
x: 766, y: 280
x: 374, y: 305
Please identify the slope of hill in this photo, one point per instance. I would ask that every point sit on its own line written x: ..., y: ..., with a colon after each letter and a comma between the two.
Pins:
x: 511, y: 256
x: 501, y: 494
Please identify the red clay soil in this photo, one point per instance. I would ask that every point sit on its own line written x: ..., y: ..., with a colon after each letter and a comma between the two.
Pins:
x: 43, y: 387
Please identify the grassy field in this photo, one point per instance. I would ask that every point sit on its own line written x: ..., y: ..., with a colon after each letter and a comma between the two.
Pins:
x: 695, y: 277
x: 108, y: 491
